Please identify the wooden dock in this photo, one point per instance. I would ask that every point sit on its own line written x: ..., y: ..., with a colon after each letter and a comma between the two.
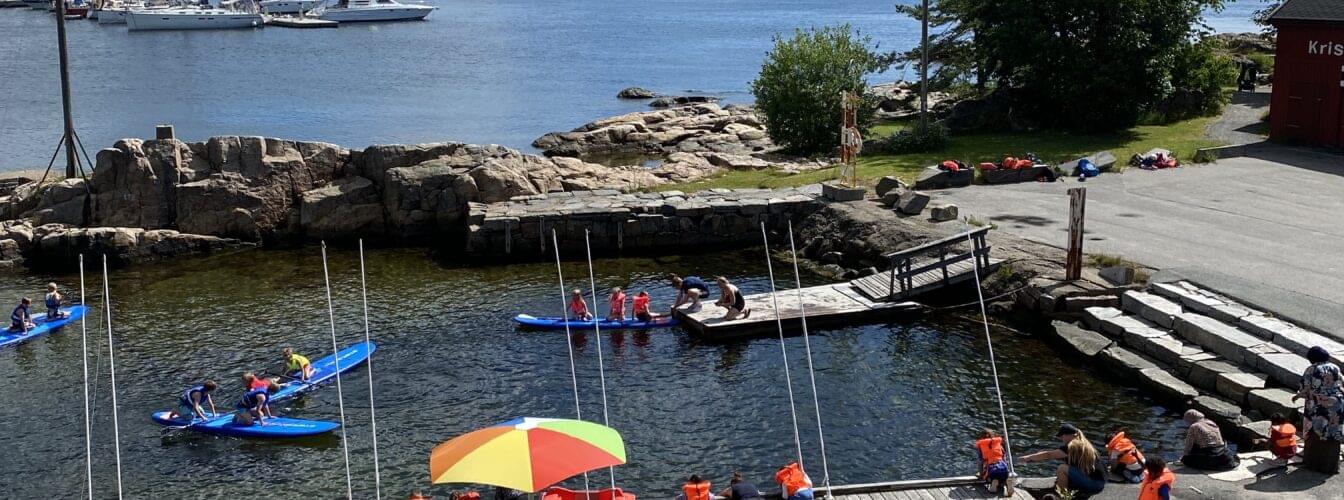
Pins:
x: 880, y: 297
x: 299, y: 22
x: 825, y: 305
x: 960, y: 487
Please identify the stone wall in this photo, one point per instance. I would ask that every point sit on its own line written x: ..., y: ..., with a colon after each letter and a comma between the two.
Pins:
x: 672, y: 221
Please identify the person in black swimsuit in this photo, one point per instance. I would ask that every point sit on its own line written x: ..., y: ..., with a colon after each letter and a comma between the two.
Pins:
x: 730, y: 298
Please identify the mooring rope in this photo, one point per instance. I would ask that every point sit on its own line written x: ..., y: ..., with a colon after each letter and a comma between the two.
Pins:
x: 993, y: 366
x: 784, y: 353
x: 340, y: 398
x: 112, y: 366
x: 811, y: 373
x: 373, y: 420
x: 88, y: 419
x: 597, y: 332
x: 569, y: 337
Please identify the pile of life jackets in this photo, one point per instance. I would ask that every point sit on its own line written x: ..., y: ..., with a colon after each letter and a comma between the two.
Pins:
x: 1011, y: 163
x: 952, y: 166
x: 1123, y: 451
x: 1155, y: 161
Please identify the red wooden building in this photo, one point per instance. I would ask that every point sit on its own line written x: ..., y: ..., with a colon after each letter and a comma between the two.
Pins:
x: 1307, y: 106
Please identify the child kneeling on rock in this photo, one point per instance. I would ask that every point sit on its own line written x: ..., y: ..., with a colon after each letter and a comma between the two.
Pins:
x: 993, y: 469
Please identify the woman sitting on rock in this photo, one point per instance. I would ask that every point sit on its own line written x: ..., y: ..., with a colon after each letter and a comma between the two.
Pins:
x: 1082, y: 472
x: 1204, y: 445
x: 1323, y: 412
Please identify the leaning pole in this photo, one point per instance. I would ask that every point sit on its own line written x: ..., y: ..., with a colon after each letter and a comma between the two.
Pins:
x: 70, y: 158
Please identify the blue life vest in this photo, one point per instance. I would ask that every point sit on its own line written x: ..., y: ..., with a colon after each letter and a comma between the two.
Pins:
x: 250, y: 398
x: 52, y: 303
x: 19, y: 315
x: 186, y: 396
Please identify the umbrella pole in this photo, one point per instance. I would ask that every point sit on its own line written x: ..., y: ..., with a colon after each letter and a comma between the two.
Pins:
x: 597, y: 332
x: 569, y: 337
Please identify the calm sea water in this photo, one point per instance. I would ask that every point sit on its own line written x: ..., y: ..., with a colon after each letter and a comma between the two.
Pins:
x: 898, y: 401
x: 487, y: 71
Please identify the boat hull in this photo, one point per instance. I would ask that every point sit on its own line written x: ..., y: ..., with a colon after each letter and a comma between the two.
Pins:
x: 288, y: 6
x: 149, y: 20
x: 112, y: 16
x: 378, y: 14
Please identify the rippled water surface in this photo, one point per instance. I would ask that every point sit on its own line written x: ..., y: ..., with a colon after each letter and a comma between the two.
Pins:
x: 898, y: 401
x: 484, y: 71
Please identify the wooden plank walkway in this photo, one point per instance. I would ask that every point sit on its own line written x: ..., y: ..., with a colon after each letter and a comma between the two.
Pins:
x: 878, y: 287
x: 960, y: 487
x: 825, y: 305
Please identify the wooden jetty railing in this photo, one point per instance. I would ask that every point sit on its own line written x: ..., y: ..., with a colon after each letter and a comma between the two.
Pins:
x: 912, y: 272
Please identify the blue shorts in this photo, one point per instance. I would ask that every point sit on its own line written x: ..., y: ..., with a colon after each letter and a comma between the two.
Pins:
x: 802, y: 495
x: 997, y: 471
x: 1084, y: 484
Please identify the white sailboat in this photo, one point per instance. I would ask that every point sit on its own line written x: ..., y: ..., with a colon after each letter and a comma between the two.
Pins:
x: 348, y: 11
x: 225, y: 16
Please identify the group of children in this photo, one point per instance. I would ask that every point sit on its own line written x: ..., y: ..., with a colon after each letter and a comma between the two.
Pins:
x: 616, y: 306
x: 793, y: 482
x: 1127, y: 461
x: 21, y: 318
x: 254, y: 406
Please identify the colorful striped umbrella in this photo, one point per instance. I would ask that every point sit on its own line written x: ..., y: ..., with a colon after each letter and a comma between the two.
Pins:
x: 527, y: 454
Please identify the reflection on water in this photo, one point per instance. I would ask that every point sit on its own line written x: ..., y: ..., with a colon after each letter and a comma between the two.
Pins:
x: 898, y: 401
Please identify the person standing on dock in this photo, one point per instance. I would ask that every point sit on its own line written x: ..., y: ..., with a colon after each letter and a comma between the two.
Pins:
x: 53, y: 302
x: 731, y: 298
x: 21, y: 319
x: 690, y: 288
x: 1323, y: 412
x: 297, y: 366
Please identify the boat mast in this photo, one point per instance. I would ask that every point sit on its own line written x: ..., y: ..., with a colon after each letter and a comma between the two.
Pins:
x: 70, y: 159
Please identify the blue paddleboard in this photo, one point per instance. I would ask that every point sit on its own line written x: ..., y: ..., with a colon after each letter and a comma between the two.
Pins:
x: 554, y: 323
x: 324, y: 370
x: 42, y: 326
x: 279, y: 427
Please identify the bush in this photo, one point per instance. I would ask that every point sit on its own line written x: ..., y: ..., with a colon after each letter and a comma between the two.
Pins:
x: 1199, y: 73
x: 798, y: 90
x: 1263, y: 62
x: 918, y: 139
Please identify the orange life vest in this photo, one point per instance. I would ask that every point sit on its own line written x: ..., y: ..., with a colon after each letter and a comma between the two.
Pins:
x: 641, y: 304
x: 617, y: 302
x: 578, y: 307
x: 991, y: 449
x: 697, y: 491
x: 417, y: 496
x: 793, y: 479
x: 1283, y: 436
x: 1149, y: 488
x: 1009, y: 162
x: 951, y: 166
x: 1126, y: 452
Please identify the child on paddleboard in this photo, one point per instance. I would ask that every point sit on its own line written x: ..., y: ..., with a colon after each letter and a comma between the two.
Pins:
x: 617, y: 302
x: 21, y: 319
x: 53, y: 301
x: 297, y: 366
x: 190, y: 405
x: 578, y: 307
x: 641, y: 307
x: 255, y: 405
x: 251, y: 381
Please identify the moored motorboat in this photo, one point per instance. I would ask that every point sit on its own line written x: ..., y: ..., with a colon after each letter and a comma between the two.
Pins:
x: 288, y: 6
x: 191, y: 18
x: 75, y: 10
x: 348, y: 11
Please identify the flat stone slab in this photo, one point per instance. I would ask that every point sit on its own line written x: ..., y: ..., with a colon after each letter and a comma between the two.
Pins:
x: 1285, y: 368
x: 1159, y: 345
x: 1225, y: 412
x: 1217, y: 337
x: 1256, y: 433
x: 1150, y: 307
x: 1094, y: 316
x: 1291, y: 337
x: 1167, y: 386
x: 1118, y: 325
x: 1081, y: 303
x: 1187, y: 296
x: 1085, y: 343
x: 1204, y: 374
x: 1236, y: 385
x: 1123, y: 362
x: 1273, y: 400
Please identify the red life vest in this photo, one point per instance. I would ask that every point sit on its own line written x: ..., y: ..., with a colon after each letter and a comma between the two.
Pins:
x: 951, y: 166
x: 258, y: 383
x: 578, y: 307
x: 792, y: 478
x: 641, y: 304
x: 1009, y: 162
x: 991, y: 449
x: 988, y: 166
x: 1148, y: 490
x: 618, y: 304
x: 1283, y: 436
x: 1126, y: 452
x: 1024, y: 163
x: 697, y: 491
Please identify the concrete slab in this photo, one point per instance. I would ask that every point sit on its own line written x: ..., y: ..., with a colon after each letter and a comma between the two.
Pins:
x: 1084, y: 343
x: 1216, y: 336
x: 1291, y: 337
x: 1284, y: 368
x: 1093, y: 316
x: 1080, y: 303
x: 1226, y: 413
x: 1117, y: 326
x: 1166, y: 386
x: 1159, y: 345
x: 1236, y: 385
x: 1273, y: 400
x: 1256, y: 433
x: 1189, y: 297
x: 1122, y: 362
x: 1204, y: 374
x: 1150, y: 307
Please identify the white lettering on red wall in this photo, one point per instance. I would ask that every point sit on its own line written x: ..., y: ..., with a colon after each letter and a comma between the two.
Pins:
x: 1325, y: 48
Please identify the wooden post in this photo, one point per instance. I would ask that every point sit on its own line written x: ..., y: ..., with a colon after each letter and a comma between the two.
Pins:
x: 70, y: 158
x: 1073, y: 268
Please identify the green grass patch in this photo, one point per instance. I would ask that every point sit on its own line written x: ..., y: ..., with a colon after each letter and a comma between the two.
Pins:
x: 1183, y: 138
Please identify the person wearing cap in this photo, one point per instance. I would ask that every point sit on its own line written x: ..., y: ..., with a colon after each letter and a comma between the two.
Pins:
x: 1067, y: 433
x: 1322, y: 412
x: 1204, y: 445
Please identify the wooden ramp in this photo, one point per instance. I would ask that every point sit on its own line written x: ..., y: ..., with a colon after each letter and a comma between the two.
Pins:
x: 930, y: 266
x: 825, y: 305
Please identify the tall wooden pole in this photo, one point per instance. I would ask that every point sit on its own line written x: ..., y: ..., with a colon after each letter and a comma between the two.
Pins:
x: 1073, y: 265
x: 70, y: 157
x: 924, y: 67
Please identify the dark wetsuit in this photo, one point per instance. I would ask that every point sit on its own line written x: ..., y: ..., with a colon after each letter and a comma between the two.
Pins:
x: 739, y: 302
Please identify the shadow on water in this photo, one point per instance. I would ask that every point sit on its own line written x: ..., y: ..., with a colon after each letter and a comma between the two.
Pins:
x: 898, y: 401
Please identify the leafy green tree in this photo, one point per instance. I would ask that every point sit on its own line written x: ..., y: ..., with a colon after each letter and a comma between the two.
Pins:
x: 956, y: 59
x: 1261, y: 16
x: 798, y: 90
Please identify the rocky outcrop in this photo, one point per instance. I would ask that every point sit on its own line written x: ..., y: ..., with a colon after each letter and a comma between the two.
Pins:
x: 636, y: 93
x: 62, y: 202
x: 60, y: 244
x: 900, y: 99
x: 1244, y: 43
x: 681, y: 100
x: 697, y: 128
x: 347, y: 208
